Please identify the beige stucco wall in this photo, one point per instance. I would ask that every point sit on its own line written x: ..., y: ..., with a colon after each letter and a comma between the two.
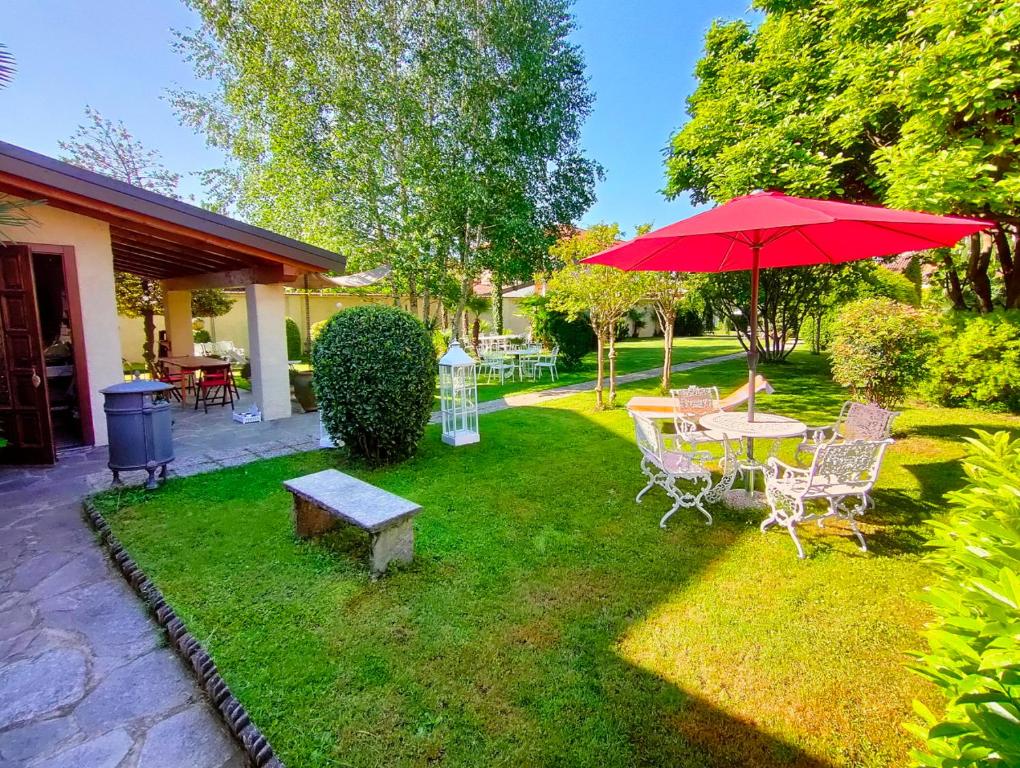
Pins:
x: 233, y: 326
x: 94, y: 266
x: 515, y: 321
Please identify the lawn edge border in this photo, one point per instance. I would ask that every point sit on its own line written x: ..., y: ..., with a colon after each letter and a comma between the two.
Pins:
x: 252, y: 741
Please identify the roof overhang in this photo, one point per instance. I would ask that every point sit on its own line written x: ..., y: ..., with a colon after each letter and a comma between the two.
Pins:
x: 159, y: 237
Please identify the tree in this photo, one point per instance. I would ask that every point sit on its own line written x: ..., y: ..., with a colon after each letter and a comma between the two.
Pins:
x: 669, y: 293
x: 438, y: 136
x: 785, y: 300
x: 106, y: 147
x: 602, y: 294
x: 909, y: 103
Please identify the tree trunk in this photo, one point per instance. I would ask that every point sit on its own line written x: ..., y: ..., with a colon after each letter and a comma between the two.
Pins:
x: 1007, y: 263
x: 600, y: 345
x: 412, y: 294
x: 816, y: 337
x: 954, y: 290
x: 497, y: 303
x: 977, y: 273
x: 667, y: 349
x: 612, y: 366
x: 148, y: 349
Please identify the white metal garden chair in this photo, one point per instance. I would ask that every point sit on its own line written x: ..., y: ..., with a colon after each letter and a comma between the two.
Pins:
x: 666, y: 459
x: 497, y: 364
x: 547, y: 362
x: 856, y: 421
x: 841, y: 474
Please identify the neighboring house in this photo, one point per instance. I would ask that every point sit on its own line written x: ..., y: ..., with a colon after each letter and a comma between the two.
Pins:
x: 58, y: 314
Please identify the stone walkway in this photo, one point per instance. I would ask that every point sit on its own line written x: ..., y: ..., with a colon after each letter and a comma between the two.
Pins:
x: 86, y: 679
x: 547, y: 395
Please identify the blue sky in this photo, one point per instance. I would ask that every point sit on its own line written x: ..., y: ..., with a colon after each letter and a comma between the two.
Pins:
x: 116, y: 55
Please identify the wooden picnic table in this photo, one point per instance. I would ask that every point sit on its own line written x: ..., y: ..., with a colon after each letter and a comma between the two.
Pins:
x: 190, y: 364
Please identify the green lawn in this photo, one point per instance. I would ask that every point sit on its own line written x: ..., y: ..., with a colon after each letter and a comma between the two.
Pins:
x: 632, y: 355
x: 547, y: 620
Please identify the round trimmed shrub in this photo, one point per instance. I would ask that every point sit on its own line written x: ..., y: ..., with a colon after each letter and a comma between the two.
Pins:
x: 293, y: 340
x: 977, y: 362
x: 879, y: 349
x: 375, y: 378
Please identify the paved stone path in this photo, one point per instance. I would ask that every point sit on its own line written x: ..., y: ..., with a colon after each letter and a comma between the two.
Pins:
x: 86, y: 680
x: 546, y: 395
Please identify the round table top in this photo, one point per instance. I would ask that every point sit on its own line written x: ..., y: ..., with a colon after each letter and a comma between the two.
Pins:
x: 767, y: 425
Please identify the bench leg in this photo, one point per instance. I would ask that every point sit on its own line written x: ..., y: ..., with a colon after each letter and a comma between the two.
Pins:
x: 396, y: 543
x: 310, y: 520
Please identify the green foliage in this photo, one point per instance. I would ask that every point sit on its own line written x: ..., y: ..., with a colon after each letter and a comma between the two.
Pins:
x: 293, y: 339
x: 974, y: 643
x: 441, y: 137
x: 977, y: 361
x: 879, y: 281
x: 689, y: 322
x: 786, y: 298
x: 375, y: 376
x: 879, y: 348
x: 909, y: 103
x: 210, y: 302
x: 316, y: 329
x: 574, y: 337
x: 441, y: 341
x: 201, y: 336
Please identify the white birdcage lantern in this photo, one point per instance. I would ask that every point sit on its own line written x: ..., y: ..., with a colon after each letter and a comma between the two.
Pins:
x: 458, y: 396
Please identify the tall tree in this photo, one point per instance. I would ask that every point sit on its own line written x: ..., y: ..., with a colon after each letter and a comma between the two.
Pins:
x: 906, y: 102
x: 439, y: 136
x: 601, y: 294
x: 669, y: 293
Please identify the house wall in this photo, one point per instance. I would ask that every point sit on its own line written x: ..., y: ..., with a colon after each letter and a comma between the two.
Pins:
x: 515, y: 321
x: 93, y: 268
x: 233, y: 326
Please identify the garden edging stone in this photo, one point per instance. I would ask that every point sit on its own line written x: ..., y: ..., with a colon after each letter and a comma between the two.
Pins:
x: 252, y: 741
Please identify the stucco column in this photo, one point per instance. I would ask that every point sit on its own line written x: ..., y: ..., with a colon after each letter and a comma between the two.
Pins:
x: 177, y: 316
x: 270, y: 380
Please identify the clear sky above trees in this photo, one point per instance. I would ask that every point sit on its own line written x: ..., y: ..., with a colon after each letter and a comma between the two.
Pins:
x: 115, y: 55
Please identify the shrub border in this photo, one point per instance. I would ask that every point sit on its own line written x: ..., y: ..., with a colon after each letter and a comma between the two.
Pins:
x: 251, y: 740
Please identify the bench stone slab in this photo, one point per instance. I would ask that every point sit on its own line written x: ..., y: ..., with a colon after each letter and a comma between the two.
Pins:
x: 324, y: 498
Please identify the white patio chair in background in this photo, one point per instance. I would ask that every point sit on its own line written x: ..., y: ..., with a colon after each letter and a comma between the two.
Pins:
x: 496, y: 363
x: 547, y: 362
x: 856, y: 421
x: 665, y: 460
x: 841, y: 474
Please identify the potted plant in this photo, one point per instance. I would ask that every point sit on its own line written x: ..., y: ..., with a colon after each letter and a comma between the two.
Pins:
x: 304, y: 393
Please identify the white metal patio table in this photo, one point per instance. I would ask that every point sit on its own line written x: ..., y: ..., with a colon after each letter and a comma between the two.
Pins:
x: 766, y: 426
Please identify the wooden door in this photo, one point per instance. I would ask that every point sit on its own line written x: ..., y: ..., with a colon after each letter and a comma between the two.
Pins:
x: 24, y: 405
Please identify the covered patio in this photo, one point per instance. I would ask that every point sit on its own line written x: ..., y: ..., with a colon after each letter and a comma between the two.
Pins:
x: 84, y: 228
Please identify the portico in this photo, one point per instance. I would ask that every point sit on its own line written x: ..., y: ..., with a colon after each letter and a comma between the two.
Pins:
x: 91, y: 226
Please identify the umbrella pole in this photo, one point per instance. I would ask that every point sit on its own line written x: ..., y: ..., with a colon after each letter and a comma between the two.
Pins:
x: 752, y: 360
x: 752, y: 353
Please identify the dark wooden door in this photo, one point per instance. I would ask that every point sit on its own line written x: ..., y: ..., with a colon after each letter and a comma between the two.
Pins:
x: 24, y: 406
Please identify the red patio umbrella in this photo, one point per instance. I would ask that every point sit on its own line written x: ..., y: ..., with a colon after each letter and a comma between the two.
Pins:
x: 770, y: 229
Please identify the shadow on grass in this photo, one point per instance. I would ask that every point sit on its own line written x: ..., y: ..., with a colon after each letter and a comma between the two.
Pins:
x: 498, y: 644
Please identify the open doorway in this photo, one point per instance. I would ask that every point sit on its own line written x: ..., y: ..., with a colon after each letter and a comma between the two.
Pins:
x: 57, y: 335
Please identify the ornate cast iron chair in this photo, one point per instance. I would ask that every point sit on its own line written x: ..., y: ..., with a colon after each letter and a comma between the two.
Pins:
x: 841, y: 474
x: 668, y: 458
x: 857, y: 421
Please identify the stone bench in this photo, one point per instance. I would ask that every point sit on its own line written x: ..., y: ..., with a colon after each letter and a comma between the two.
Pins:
x: 323, y: 499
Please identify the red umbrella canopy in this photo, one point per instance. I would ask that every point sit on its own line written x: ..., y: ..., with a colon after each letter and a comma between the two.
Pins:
x: 787, y: 232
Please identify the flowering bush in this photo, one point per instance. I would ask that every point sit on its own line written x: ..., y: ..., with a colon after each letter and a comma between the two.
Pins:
x: 879, y: 349
x: 977, y: 361
x: 974, y: 643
